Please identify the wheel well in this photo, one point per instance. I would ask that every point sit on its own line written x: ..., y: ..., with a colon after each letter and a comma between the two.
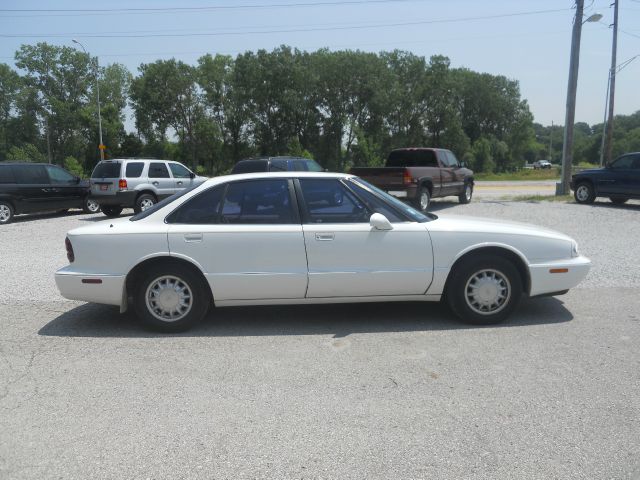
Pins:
x: 6, y: 200
x: 133, y: 277
x: 148, y: 192
x: 585, y: 180
x: 501, y: 252
x: 428, y: 184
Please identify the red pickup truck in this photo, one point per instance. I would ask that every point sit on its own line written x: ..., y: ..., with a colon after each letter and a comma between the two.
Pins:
x: 420, y: 174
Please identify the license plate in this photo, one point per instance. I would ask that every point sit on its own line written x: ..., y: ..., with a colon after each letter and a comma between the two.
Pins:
x: 104, y: 187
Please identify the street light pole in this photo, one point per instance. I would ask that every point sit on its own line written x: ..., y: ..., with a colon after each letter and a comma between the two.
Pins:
x: 101, y: 147
x: 612, y: 85
x: 572, y: 88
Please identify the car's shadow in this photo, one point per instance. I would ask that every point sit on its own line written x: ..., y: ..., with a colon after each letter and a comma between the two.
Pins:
x: 32, y: 217
x: 622, y: 206
x: 437, y: 205
x: 340, y: 320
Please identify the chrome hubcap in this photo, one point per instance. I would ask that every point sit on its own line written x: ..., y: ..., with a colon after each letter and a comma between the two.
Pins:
x: 146, y: 203
x: 5, y: 213
x: 92, y: 206
x: 487, y: 291
x: 424, y: 201
x: 168, y: 298
x: 582, y: 193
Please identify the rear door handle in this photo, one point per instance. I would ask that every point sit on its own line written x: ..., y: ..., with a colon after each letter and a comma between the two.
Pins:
x: 192, y: 237
x: 324, y: 237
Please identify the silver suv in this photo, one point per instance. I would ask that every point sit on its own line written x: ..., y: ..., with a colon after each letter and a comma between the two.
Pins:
x: 137, y: 183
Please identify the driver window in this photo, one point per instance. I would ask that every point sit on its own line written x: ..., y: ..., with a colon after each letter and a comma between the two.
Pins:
x: 329, y: 201
x: 59, y: 176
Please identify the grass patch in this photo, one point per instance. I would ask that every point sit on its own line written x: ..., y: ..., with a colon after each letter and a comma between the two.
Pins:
x: 550, y: 174
x: 539, y: 198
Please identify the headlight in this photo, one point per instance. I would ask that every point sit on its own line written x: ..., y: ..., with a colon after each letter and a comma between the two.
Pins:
x: 574, y: 249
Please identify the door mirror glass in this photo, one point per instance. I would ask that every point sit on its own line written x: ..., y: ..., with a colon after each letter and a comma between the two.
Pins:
x: 192, y: 175
x: 380, y: 222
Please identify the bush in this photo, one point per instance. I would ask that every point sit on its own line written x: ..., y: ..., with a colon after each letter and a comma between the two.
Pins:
x: 73, y: 166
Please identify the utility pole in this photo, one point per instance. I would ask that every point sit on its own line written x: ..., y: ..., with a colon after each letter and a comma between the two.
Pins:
x: 612, y: 85
x: 567, y: 144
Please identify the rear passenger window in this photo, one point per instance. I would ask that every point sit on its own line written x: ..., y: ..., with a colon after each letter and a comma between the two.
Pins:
x: 6, y: 175
x: 203, y: 209
x: 257, y: 202
x: 30, y: 174
x: 158, y: 170
x: 134, y: 169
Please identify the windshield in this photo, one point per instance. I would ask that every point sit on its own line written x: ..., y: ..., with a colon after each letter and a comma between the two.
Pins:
x: 410, y: 212
x: 161, y: 204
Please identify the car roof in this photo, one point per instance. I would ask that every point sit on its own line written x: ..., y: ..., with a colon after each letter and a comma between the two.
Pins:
x: 256, y: 175
x: 138, y: 160
x: 28, y: 163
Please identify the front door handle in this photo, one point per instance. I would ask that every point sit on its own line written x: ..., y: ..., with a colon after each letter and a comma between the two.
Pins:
x: 324, y: 237
x: 179, y: 183
x: 192, y: 237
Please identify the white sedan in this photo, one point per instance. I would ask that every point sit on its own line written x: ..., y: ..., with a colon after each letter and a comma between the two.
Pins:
x: 305, y: 238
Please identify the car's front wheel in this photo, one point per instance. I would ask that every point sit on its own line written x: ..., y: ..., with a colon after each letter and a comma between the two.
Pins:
x: 171, y: 299
x: 6, y: 212
x: 467, y: 193
x: 144, y: 202
x: 90, y: 206
x: 584, y: 193
x: 484, y: 290
x: 111, y: 211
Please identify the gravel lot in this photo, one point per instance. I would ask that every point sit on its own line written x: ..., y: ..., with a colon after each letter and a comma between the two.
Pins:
x: 354, y: 391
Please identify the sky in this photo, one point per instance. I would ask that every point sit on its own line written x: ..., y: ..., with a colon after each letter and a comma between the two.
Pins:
x: 525, y: 40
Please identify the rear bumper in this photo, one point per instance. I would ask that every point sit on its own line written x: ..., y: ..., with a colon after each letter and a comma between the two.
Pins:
x: 119, y: 199
x: 109, y: 291
x: 544, y: 281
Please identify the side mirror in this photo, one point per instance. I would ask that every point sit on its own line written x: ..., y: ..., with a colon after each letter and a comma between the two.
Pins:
x: 380, y: 222
x: 192, y: 175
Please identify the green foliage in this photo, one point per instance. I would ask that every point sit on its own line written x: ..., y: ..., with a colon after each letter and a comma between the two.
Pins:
x: 25, y: 153
x: 73, y: 166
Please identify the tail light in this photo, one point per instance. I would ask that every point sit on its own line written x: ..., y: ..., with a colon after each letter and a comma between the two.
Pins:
x: 70, y: 255
x: 122, y: 184
x: 407, y: 179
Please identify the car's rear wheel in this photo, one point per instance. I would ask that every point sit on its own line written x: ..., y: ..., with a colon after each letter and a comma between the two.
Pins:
x: 618, y: 200
x: 467, y: 193
x: 90, y: 206
x: 584, y: 193
x: 111, y: 211
x: 6, y: 212
x: 423, y: 200
x: 144, y: 202
x: 484, y: 290
x: 171, y: 299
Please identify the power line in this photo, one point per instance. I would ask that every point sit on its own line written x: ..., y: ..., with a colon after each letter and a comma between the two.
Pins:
x: 293, y: 30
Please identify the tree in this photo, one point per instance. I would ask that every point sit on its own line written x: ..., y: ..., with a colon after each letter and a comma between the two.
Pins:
x: 10, y: 84
x: 26, y: 153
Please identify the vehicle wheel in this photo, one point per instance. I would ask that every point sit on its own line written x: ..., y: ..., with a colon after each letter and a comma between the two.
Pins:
x: 467, y: 193
x: 143, y: 202
x: 584, y: 193
x: 111, y: 211
x: 484, y: 290
x: 423, y: 200
x: 90, y: 206
x: 171, y: 299
x: 6, y: 212
x: 618, y: 200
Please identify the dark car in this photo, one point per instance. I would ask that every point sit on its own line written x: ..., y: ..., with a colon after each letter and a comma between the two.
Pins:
x: 40, y: 187
x: 277, y: 164
x: 619, y: 180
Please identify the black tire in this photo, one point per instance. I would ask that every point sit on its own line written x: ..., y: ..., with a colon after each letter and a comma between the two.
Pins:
x: 618, y: 200
x: 90, y: 206
x: 584, y: 193
x: 467, y: 193
x: 423, y: 199
x: 198, y: 300
x: 495, y: 277
x: 111, y: 211
x: 143, y: 202
x: 6, y: 212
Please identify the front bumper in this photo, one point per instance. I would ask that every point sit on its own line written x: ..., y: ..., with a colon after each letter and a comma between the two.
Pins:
x: 545, y: 281
x: 109, y: 290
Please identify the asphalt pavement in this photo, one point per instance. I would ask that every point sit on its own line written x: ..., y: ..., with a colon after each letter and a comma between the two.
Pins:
x: 388, y: 391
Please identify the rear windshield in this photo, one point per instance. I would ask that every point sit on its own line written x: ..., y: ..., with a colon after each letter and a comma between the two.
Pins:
x: 412, y: 158
x: 106, y: 170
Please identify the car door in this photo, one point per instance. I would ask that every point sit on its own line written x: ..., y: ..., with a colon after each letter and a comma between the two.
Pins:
x: 34, y: 189
x: 247, y: 237
x: 349, y: 258
x: 162, y: 181
x: 612, y: 180
x: 65, y: 188
x: 182, y: 176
